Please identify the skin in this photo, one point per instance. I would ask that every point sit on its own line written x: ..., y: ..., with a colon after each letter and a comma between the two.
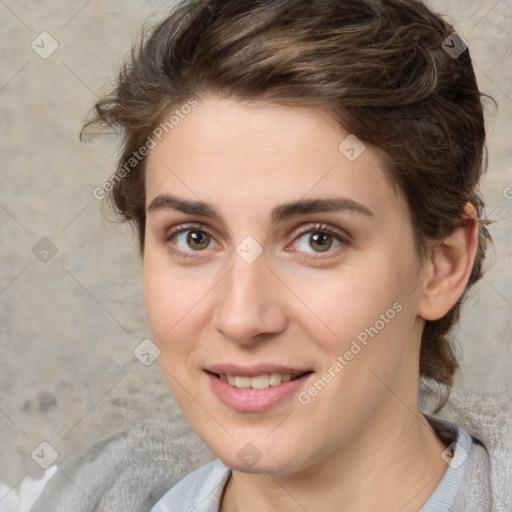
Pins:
x: 361, y: 443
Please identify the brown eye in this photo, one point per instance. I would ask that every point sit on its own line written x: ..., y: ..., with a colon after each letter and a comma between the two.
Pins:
x: 192, y: 240
x: 320, y: 242
x: 198, y: 240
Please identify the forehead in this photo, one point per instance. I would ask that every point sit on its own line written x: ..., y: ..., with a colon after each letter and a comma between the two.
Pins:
x: 258, y: 155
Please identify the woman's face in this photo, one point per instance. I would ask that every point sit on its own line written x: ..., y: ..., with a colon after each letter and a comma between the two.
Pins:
x: 281, y: 284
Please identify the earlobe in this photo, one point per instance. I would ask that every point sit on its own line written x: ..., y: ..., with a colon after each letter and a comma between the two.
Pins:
x: 451, y: 263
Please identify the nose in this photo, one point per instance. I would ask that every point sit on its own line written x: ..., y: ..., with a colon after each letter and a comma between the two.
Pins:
x: 249, y: 304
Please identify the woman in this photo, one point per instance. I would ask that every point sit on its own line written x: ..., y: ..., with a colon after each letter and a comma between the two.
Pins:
x: 303, y: 180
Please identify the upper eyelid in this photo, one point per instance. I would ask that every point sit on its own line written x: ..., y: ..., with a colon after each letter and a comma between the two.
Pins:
x: 187, y: 226
x: 322, y: 227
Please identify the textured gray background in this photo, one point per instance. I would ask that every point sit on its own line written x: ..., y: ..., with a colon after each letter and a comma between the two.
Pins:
x: 69, y: 325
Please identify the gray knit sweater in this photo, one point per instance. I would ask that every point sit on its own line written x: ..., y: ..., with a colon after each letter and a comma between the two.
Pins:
x: 131, y: 471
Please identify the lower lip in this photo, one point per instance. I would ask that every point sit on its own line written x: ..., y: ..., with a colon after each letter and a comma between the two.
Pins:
x: 254, y: 400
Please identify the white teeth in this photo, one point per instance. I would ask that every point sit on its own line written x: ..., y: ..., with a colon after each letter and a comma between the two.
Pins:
x: 275, y: 379
x: 260, y: 382
x: 242, y: 382
x: 257, y: 382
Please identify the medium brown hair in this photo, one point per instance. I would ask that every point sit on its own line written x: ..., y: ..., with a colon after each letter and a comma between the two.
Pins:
x: 378, y: 65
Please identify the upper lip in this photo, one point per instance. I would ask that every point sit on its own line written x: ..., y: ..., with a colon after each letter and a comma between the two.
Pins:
x: 253, y: 371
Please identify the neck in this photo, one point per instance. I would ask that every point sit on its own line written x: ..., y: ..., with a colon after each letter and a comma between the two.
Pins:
x: 396, y: 466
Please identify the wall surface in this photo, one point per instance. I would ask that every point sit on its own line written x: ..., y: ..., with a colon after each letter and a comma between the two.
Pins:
x: 71, y: 313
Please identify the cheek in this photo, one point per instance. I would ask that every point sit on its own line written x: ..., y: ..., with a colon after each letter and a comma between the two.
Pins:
x: 168, y: 296
x: 176, y: 309
x: 156, y: 302
x: 344, y: 303
x: 366, y: 315
x: 164, y: 305
x: 166, y: 311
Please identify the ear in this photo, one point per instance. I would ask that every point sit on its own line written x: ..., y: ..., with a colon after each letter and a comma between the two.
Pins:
x: 449, y: 268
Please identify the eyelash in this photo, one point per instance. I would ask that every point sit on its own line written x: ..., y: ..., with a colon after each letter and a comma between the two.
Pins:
x: 344, y: 239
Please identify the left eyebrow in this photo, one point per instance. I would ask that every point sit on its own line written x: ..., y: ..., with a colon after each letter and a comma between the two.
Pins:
x: 303, y: 207
x: 278, y: 214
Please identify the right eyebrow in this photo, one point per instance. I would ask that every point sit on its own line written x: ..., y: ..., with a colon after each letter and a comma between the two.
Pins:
x: 168, y: 202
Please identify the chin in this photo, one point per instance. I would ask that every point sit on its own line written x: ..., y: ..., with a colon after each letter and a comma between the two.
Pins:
x: 257, y: 455
x: 276, y: 466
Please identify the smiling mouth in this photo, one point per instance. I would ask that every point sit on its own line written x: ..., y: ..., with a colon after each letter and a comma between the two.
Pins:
x: 263, y: 381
